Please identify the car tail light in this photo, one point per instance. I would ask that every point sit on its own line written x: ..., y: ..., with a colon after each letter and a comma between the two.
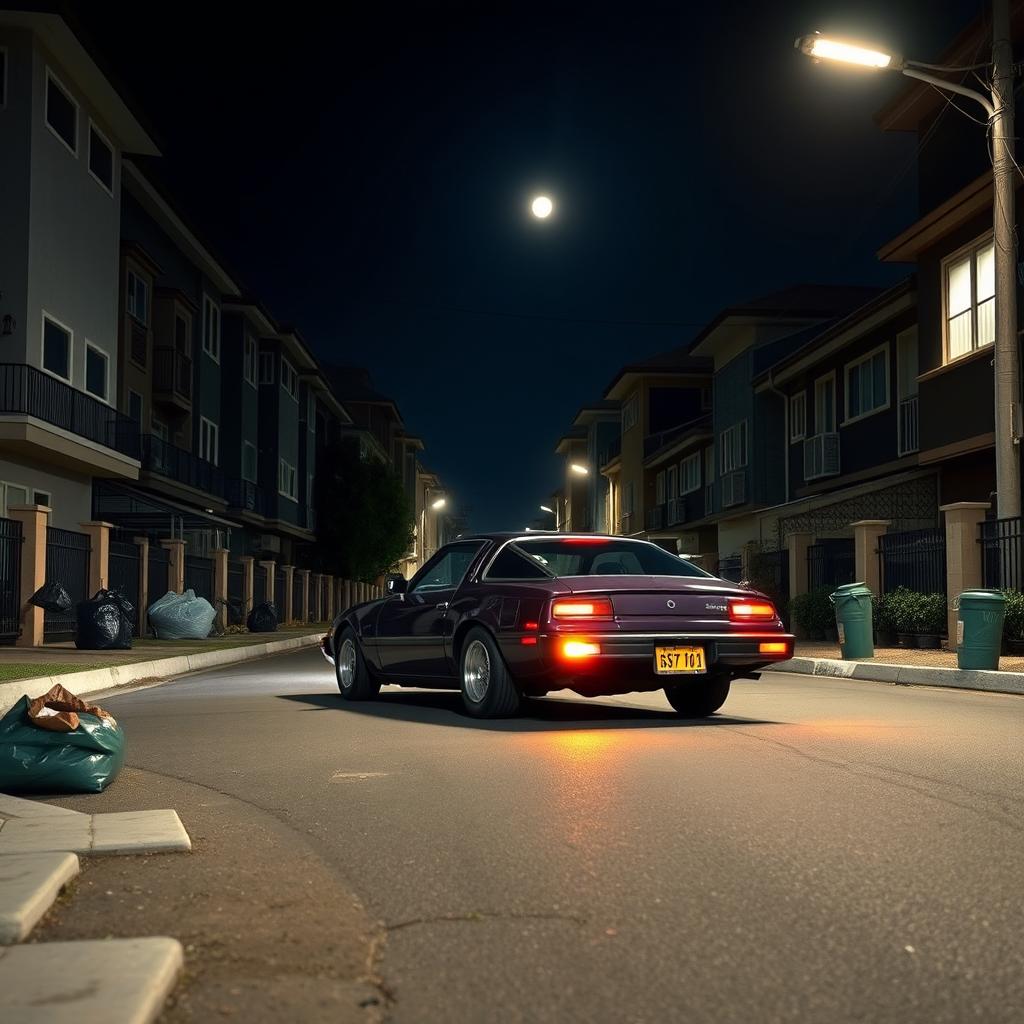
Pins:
x: 774, y: 647
x: 583, y: 608
x: 580, y: 649
x: 749, y: 610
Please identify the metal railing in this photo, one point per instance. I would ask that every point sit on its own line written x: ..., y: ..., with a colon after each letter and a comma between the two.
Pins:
x: 124, y: 572
x: 31, y: 392
x: 731, y: 568
x: 675, y: 512
x: 1002, y: 553
x: 655, y: 517
x: 242, y: 494
x: 172, y: 372
x: 611, y: 451
x: 914, y: 559
x: 199, y: 576
x: 830, y: 563
x: 10, y: 580
x: 67, y: 563
x: 653, y: 442
x: 160, y: 456
x: 909, y: 439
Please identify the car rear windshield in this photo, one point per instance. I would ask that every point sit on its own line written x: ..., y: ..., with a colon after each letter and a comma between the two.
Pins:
x: 605, y: 558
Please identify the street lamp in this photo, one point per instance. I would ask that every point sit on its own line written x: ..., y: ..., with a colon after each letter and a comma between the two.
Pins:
x: 999, y: 120
x: 544, y: 508
x: 578, y: 469
x: 440, y: 503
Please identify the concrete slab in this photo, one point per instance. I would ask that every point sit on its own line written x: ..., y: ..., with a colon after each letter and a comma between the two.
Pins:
x: 29, y: 884
x: 38, y: 835
x: 159, y: 831
x: 17, y: 807
x: 116, y: 981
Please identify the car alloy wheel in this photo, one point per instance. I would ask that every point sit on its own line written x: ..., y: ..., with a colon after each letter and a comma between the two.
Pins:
x: 347, y: 663
x: 476, y: 671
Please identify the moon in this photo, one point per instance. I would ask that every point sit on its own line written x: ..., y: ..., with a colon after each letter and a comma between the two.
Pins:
x: 542, y: 207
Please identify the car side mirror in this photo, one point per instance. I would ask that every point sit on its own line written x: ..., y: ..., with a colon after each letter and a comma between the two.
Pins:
x: 396, y: 583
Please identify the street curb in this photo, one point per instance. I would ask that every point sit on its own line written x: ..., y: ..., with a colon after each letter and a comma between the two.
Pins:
x: 94, y: 680
x: 905, y: 675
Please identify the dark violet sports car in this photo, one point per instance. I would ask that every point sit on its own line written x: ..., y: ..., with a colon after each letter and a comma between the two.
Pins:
x: 503, y: 616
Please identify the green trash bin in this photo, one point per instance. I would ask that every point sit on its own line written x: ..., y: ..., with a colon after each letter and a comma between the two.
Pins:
x: 979, y: 628
x: 852, y: 602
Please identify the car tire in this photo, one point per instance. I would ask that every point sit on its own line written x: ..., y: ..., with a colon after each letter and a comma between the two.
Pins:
x: 488, y: 690
x: 355, y: 679
x: 700, y: 697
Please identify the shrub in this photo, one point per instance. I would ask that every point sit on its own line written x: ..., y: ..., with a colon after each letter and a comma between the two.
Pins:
x: 1013, y: 623
x: 911, y: 612
x: 932, y: 614
x: 812, y: 612
x: 899, y: 605
x: 882, y: 613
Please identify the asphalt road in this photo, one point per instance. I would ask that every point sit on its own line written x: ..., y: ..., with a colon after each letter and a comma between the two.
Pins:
x: 821, y: 850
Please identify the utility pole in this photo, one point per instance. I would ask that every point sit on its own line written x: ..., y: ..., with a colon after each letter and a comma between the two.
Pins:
x: 1004, y: 225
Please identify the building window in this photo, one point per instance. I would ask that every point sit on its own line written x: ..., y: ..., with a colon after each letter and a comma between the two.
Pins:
x: 209, y: 440
x: 56, y: 348
x: 689, y: 474
x: 289, y: 379
x: 867, y: 384
x: 798, y: 416
x: 135, y: 407
x: 630, y: 412
x: 659, y: 489
x: 41, y: 498
x: 11, y: 494
x: 825, y: 404
x: 286, y: 481
x: 266, y: 367
x: 138, y: 298
x: 734, y: 447
x: 970, y: 289
x: 211, y: 328
x: 249, y: 462
x: 249, y: 360
x: 101, y: 158
x: 61, y: 113
x: 96, y: 365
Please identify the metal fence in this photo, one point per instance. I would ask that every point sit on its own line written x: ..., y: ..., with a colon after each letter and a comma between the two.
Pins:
x: 236, y: 593
x: 830, y: 563
x: 1001, y: 553
x: 67, y: 563
x: 159, y: 564
x: 297, y: 595
x: 10, y: 580
x: 259, y: 584
x: 199, y: 576
x: 914, y: 559
x: 123, y: 573
x: 279, y: 582
x: 769, y: 572
x: 731, y: 568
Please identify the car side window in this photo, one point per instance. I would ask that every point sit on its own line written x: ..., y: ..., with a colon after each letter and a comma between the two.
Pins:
x: 511, y: 565
x: 446, y: 570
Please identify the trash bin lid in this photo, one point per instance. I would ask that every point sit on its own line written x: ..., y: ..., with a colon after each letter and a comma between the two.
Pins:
x: 851, y: 590
x: 996, y: 596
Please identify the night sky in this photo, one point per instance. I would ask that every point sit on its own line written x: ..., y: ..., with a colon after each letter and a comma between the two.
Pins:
x: 367, y: 172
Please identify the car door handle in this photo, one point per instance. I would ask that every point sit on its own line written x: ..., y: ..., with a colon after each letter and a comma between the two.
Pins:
x: 443, y: 606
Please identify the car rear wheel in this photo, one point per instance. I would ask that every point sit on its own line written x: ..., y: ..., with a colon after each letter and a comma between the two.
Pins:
x: 487, y: 687
x: 698, y: 698
x: 354, y: 677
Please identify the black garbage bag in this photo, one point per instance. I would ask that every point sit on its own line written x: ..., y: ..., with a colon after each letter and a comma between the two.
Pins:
x: 263, y: 618
x: 105, y: 623
x: 52, y: 597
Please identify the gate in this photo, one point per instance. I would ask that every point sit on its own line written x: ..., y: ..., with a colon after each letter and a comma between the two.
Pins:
x: 10, y: 580
x: 830, y: 563
x: 914, y: 559
x: 67, y: 563
x: 1002, y: 564
x: 199, y: 576
x: 123, y: 574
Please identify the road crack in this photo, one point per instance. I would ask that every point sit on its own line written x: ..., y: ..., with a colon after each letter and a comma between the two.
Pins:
x: 485, y: 915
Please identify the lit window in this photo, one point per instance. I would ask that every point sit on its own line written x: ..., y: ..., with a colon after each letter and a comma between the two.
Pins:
x: 970, y: 283
x: 798, y: 416
x: 867, y: 384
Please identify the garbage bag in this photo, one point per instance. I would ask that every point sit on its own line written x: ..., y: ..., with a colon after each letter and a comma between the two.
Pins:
x: 58, y: 743
x: 52, y: 597
x: 105, y: 623
x: 181, y: 616
x: 263, y: 618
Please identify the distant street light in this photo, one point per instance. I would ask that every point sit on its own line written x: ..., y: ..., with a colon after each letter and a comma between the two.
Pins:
x: 544, y: 508
x: 542, y: 207
x: 578, y: 469
x: 440, y: 503
x: 999, y: 122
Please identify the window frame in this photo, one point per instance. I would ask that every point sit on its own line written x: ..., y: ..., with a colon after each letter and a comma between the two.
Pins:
x: 971, y: 251
x: 255, y: 462
x: 693, y: 459
x: 129, y: 275
x: 266, y: 358
x: 4, y: 505
x: 437, y: 556
x: 868, y: 357
x: 249, y: 366
x: 798, y: 398
x: 291, y: 373
x: 284, y: 464
x: 743, y: 445
x: 209, y: 430
x: 210, y: 308
x: 71, y: 348
x: 91, y: 128
x: 52, y: 76
x: 105, y: 356
x: 830, y: 376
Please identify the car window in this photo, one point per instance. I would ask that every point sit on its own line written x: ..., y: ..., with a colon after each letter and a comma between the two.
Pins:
x: 512, y: 565
x: 446, y: 570
x: 598, y: 557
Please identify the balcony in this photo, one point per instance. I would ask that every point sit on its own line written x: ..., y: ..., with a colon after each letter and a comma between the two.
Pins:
x: 676, y: 511
x: 247, y: 497
x: 655, y: 518
x: 821, y: 456
x: 28, y: 391
x: 909, y: 437
x: 172, y: 377
x: 612, y: 451
x: 698, y: 427
x: 165, y: 459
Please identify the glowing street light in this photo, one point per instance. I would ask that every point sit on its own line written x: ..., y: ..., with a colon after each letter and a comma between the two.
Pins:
x: 820, y: 48
x: 578, y: 469
x: 550, y: 511
x: 542, y: 207
x: 439, y: 504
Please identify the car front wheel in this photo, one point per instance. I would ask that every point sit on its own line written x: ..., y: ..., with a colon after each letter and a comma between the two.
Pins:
x: 698, y: 698
x: 354, y: 678
x: 487, y: 687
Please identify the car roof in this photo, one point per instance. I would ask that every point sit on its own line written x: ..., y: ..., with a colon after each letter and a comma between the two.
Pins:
x: 506, y: 535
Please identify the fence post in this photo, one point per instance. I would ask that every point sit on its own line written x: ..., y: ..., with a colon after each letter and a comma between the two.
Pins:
x: 175, y: 565
x: 289, y: 592
x: 304, y: 603
x: 331, y: 590
x: 99, y: 557
x: 798, y: 543
x: 963, y: 553
x: 865, y: 552
x: 346, y: 593
x: 248, y: 587
x: 33, y: 569
x: 142, y: 543
x: 220, y: 585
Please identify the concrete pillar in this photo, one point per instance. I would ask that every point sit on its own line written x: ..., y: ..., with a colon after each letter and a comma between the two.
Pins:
x: 963, y: 553
x: 865, y: 552
x: 289, y: 592
x: 268, y: 567
x: 346, y: 595
x: 220, y: 586
x: 304, y: 584
x: 33, y: 569
x: 142, y: 543
x: 248, y: 586
x: 99, y: 558
x: 175, y: 565
x: 798, y: 543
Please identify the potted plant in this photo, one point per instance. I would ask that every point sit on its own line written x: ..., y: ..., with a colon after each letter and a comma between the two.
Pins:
x: 881, y: 615
x: 1013, y: 622
x: 930, y: 619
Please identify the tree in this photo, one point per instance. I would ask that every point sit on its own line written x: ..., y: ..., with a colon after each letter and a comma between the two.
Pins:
x: 364, y: 517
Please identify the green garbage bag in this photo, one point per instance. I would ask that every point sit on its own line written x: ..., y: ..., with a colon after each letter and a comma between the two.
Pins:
x: 73, y: 750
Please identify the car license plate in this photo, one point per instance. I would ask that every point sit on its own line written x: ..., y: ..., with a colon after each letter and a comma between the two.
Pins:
x: 671, y: 661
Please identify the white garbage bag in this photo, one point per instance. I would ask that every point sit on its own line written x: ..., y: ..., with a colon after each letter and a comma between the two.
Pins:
x: 181, y: 616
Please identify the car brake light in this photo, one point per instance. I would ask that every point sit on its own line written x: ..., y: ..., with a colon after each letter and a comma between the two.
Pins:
x: 590, y: 608
x: 774, y: 647
x: 742, y: 610
x: 580, y: 649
